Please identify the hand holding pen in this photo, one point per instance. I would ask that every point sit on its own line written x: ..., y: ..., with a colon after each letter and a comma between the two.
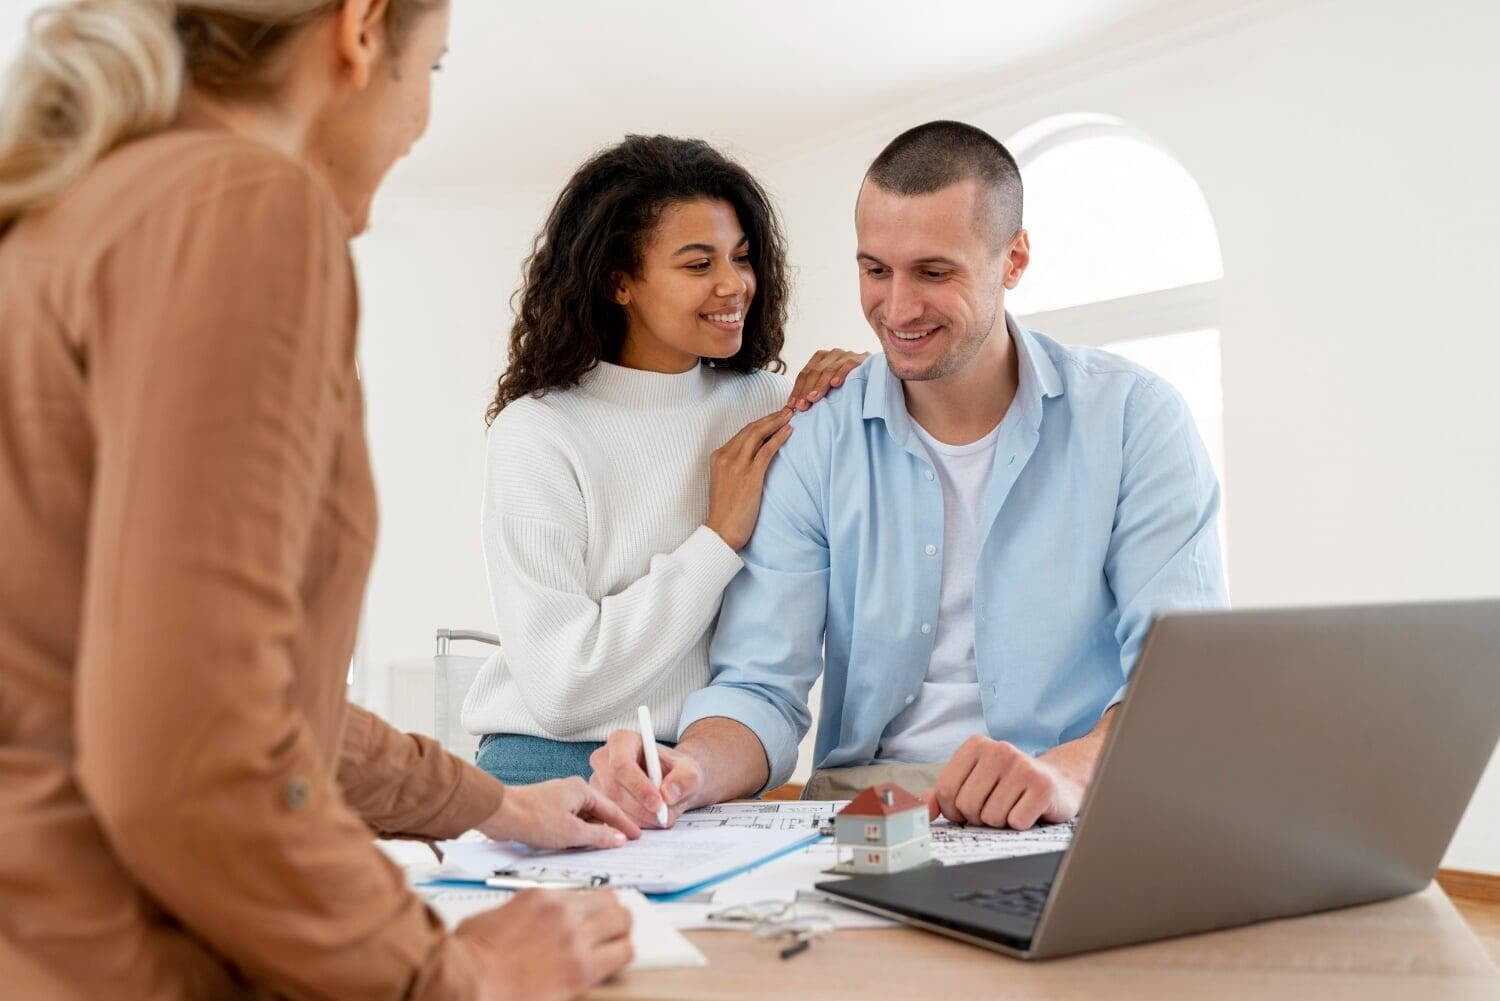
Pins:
x: 653, y: 760
x: 622, y: 773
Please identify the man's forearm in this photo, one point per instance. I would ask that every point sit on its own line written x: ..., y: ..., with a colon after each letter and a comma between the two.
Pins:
x: 1077, y: 758
x: 730, y: 756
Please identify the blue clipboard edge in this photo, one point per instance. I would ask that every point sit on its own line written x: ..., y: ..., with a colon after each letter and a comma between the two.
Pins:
x: 658, y: 898
x: 666, y: 898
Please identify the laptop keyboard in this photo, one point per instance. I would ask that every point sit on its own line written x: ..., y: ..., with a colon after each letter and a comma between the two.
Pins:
x: 1023, y: 901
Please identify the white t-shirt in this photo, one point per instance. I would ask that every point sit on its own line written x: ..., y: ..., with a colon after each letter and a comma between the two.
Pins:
x: 947, y: 711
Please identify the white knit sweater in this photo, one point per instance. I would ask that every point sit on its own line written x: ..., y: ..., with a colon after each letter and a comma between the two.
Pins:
x: 604, y: 580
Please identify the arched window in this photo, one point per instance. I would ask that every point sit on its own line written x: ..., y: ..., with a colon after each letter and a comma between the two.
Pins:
x: 1124, y: 256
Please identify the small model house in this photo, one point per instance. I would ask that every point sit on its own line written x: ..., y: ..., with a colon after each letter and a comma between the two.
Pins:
x: 883, y: 829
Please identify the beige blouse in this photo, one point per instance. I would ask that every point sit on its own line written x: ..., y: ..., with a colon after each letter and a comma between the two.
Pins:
x: 186, y: 522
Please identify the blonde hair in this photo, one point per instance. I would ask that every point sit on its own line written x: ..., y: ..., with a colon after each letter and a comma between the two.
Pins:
x: 94, y: 74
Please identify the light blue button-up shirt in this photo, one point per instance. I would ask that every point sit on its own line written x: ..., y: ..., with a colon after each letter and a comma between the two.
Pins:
x: 1100, y: 512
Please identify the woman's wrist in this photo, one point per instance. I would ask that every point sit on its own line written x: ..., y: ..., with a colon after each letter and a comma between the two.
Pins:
x: 729, y: 540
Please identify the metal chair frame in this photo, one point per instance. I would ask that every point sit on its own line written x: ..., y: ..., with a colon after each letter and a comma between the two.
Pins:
x: 450, y: 670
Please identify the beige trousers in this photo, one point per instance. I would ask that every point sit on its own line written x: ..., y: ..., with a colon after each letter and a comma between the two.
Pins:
x: 846, y: 783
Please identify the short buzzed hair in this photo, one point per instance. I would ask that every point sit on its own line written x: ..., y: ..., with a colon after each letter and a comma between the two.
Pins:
x: 933, y: 156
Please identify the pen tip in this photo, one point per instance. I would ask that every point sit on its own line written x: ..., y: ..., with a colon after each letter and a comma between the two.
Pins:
x: 661, y: 815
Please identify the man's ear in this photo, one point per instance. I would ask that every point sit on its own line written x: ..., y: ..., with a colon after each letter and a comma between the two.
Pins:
x: 362, y: 38
x: 1017, y: 258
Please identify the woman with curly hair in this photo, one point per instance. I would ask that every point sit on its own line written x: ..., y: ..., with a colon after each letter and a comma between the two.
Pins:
x: 629, y: 438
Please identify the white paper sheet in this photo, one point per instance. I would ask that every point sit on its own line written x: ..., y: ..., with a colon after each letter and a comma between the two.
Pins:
x: 657, y: 944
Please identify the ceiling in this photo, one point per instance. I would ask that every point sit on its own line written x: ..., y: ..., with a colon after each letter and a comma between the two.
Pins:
x: 531, y: 88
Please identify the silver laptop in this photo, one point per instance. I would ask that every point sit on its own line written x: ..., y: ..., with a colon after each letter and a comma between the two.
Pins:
x: 1263, y: 764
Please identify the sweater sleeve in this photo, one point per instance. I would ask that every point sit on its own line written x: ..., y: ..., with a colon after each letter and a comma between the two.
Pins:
x: 580, y: 660
x: 220, y: 380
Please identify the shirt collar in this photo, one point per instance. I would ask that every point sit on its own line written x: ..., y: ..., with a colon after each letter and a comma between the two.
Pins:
x: 1039, y: 380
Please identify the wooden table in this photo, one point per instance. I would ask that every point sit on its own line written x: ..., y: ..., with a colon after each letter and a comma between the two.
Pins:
x: 1410, y: 949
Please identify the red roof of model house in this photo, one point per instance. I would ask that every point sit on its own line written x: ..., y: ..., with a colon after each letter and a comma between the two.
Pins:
x: 881, y: 801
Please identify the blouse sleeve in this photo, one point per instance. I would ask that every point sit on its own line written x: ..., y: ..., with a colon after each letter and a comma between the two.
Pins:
x: 220, y: 374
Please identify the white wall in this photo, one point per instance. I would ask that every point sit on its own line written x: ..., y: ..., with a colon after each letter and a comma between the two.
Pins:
x: 1345, y: 148
x: 436, y: 274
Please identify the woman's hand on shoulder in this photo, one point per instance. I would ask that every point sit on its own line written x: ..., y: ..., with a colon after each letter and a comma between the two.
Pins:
x: 825, y: 371
x: 736, y: 471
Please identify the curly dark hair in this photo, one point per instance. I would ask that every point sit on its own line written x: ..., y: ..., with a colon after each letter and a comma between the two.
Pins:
x: 567, y: 320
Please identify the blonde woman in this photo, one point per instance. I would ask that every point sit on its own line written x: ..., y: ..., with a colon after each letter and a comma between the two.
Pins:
x: 187, y: 517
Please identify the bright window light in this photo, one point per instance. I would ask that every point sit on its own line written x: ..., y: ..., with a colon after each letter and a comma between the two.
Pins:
x: 1112, y: 216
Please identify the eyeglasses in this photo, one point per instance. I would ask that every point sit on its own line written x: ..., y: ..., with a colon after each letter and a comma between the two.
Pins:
x: 777, y: 919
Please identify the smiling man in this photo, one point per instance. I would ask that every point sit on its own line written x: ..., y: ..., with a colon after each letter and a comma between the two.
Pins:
x: 968, y: 542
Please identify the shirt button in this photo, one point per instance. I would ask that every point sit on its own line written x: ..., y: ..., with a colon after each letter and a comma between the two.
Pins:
x: 926, y: 628
x: 296, y: 793
x: 931, y: 550
x: 910, y: 699
x: 930, y: 475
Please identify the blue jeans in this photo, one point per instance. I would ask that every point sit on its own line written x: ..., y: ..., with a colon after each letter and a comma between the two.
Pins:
x: 517, y: 759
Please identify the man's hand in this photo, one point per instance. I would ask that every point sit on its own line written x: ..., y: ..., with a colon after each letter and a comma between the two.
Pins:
x: 547, y: 944
x: 563, y: 813
x: 991, y: 782
x: 620, y: 774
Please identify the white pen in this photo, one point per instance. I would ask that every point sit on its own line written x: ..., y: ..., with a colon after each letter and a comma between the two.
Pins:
x: 653, y: 761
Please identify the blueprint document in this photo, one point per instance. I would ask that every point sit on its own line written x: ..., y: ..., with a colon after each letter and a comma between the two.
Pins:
x: 708, y: 844
x: 954, y: 844
x: 659, y: 862
x: 951, y: 843
x: 777, y: 815
x: 791, y: 877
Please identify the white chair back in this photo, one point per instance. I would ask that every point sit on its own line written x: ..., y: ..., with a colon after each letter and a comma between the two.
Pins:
x: 453, y: 676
